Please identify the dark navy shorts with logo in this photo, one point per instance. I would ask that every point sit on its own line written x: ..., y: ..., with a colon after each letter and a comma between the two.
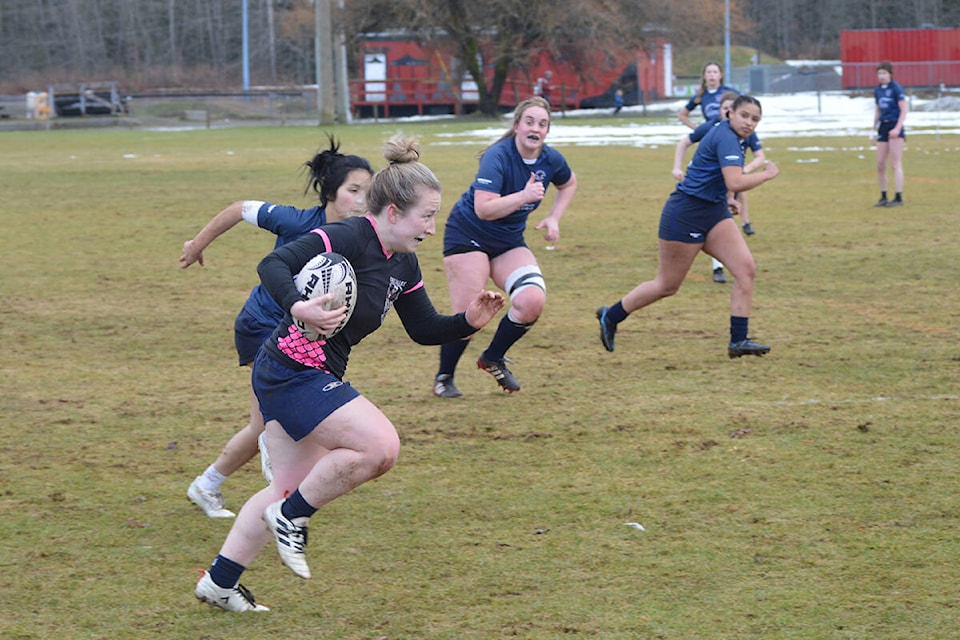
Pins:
x: 457, y: 240
x: 298, y: 400
x: 688, y: 219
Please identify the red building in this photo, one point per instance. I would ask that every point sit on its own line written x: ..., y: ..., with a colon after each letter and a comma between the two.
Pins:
x: 401, y: 77
x: 920, y: 57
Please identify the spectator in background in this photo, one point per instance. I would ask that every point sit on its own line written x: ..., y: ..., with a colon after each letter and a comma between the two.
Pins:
x: 617, y: 101
x: 707, y: 96
x: 542, y: 87
x: 888, y: 120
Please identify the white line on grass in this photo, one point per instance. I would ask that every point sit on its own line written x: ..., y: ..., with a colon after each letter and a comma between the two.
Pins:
x: 782, y: 403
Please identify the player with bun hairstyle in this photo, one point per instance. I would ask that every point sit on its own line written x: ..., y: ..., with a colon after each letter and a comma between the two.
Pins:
x: 483, y: 238
x: 339, y: 181
x: 697, y: 217
x: 325, y: 439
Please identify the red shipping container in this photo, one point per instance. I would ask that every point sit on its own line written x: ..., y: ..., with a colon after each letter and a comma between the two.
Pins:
x: 920, y: 57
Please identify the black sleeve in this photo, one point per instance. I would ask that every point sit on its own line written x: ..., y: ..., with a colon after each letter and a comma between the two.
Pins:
x: 424, y: 325
x: 278, y: 269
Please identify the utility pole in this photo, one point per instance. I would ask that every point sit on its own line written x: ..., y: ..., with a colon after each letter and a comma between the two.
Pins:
x: 323, y: 52
x: 727, y: 71
x: 343, y: 86
x: 246, y: 48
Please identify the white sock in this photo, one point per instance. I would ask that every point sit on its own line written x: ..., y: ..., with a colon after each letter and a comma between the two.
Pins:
x: 716, y: 263
x: 211, y: 480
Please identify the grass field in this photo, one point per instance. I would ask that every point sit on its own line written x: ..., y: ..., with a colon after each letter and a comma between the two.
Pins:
x: 809, y: 494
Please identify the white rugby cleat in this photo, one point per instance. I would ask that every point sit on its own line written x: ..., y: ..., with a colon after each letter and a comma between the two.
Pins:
x: 210, y: 501
x: 291, y: 536
x: 236, y: 599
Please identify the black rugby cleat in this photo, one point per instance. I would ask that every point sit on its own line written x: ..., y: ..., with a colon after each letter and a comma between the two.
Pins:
x: 498, y: 369
x: 606, y: 331
x: 746, y: 348
x: 443, y: 387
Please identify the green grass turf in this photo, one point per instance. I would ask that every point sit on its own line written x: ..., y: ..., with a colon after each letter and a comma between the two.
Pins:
x: 809, y: 494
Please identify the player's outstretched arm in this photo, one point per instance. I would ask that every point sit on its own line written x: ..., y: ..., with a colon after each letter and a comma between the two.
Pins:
x: 426, y: 326
x: 221, y: 223
x: 483, y: 308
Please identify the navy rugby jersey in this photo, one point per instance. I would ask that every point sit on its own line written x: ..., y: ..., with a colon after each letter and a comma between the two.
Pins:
x: 751, y: 142
x: 721, y: 147
x: 384, y: 280
x: 888, y: 99
x: 288, y: 224
x: 710, y: 102
x: 503, y: 171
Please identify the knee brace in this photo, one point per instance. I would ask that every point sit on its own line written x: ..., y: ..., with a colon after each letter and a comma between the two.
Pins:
x: 526, y: 276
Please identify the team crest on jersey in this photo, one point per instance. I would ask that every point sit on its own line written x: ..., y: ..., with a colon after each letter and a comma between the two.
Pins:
x: 394, y: 289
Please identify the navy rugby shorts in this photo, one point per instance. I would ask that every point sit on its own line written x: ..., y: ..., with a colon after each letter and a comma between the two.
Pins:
x: 298, y: 400
x: 248, y: 334
x: 457, y: 240
x: 689, y: 219
x: 883, y: 131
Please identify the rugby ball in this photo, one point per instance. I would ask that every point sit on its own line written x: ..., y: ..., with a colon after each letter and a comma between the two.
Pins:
x: 327, y: 273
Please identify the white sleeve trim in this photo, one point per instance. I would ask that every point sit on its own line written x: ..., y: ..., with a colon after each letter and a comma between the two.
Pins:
x: 250, y: 211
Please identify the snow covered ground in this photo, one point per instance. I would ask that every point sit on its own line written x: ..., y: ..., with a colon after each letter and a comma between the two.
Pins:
x: 784, y: 116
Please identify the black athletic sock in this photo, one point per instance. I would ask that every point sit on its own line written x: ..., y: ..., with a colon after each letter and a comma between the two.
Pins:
x: 506, y: 336
x: 616, y: 314
x: 450, y: 354
x: 295, y: 506
x: 738, y: 328
x: 225, y: 572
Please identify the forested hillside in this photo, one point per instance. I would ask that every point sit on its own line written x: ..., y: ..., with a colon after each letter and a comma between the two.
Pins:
x: 170, y: 43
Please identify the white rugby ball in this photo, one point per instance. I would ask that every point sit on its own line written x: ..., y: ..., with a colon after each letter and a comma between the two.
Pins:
x: 327, y: 273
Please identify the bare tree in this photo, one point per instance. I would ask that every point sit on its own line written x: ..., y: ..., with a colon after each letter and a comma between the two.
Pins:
x: 504, y: 35
x: 150, y: 41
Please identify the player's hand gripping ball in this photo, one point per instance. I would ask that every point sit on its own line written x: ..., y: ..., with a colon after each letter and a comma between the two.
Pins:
x: 327, y: 273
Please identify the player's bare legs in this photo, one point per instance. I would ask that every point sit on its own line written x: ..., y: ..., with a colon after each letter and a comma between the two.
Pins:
x: 204, y: 491
x: 896, y: 162
x: 467, y: 274
x: 725, y: 243
x: 883, y: 150
x: 354, y: 444
x: 517, y: 273
x: 241, y: 448
x: 527, y: 305
x: 675, y: 259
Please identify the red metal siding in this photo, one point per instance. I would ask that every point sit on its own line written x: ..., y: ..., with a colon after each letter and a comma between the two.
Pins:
x: 424, y: 78
x: 920, y: 57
